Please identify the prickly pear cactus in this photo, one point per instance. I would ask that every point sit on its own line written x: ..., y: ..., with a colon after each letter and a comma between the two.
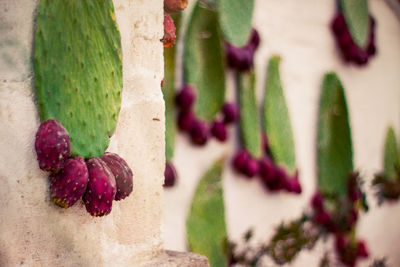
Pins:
x: 78, y: 68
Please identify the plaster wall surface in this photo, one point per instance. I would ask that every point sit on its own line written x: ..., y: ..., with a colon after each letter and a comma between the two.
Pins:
x: 33, y: 231
x: 299, y: 32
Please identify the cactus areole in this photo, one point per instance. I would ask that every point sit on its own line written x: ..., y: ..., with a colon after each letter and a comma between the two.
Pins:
x: 78, y: 71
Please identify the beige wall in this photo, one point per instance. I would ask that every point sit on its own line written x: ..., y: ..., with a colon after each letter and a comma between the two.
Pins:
x: 299, y: 32
x: 34, y: 232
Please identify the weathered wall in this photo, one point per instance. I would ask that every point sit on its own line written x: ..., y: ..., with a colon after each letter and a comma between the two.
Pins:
x: 299, y: 32
x: 33, y: 231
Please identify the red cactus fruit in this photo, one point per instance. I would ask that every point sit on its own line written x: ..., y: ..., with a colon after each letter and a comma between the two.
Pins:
x: 350, y: 50
x: 199, y: 132
x: 69, y: 185
x: 173, y: 6
x: 185, y: 120
x: 218, y: 130
x: 322, y: 218
x: 293, y: 184
x: 122, y: 173
x: 266, y: 169
x: 230, y: 112
x: 169, y: 31
x: 240, y: 160
x: 341, y: 243
x: 170, y: 175
x: 101, y: 188
x: 241, y: 58
x: 317, y: 201
x: 251, y: 168
x: 254, y: 39
x: 362, y: 250
x: 52, y: 146
x: 185, y: 98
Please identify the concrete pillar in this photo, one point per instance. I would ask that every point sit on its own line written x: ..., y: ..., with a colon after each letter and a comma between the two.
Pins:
x: 33, y: 231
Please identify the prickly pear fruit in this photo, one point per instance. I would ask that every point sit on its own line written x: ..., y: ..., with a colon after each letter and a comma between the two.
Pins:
x: 101, y: 188
x: 173, y: 6
x: 69, y: 185
x: 231, y: 113
x: 218, y: 130
x: 52, y: 146
x: 199, y: 132
x: 122, y: 173
x: 185, y: 98
x: 185, y: 120
x: 169, y: 175
x: 169, y: 31
x: 240, y: 161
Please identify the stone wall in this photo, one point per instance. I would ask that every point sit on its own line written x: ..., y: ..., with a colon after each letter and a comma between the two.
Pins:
x: 34, y: 232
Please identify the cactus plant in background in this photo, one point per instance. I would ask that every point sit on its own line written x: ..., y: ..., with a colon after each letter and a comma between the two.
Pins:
x: 335, y: 206
x: 205, y: 225
x: 354, y: 31
x: 387, y: 183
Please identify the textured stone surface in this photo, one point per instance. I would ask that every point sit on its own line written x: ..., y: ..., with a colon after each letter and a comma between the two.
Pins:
x: 178, y: 259
x: 35, y: 232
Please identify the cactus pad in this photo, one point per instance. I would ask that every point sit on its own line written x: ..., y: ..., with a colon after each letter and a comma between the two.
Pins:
x: 78, y: 70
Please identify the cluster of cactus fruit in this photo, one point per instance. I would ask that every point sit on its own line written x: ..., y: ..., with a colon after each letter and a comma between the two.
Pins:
x: 171, y: 6
x: 242, y: 58
x: 351, y: 52
x: 199, y: 130
x: 272, y: 176
x: 98, y: 181
x: 329, y: 216
x: 340, y: 220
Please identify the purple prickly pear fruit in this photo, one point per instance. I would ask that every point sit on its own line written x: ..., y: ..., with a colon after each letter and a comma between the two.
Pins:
x: 362, y: 250
x: 278, y: 181
x: 199, y: 133
x: 266, y: 169
x: 69, y: 185
x: 317, y: 201
x: 101, y: 188
x: 173, y: 6
x: 169, y: 31
x: 254, y: 40
x: 293, y: 184
x: 122, y: 173
x: 231, y: 113
x: 251, y: 168
x: 338, y: 24
x: 341, y: 243
x: 322, y: 218
x: 218, y: 130
x: 169, y: 175
x: 246, y: 59
x: 240, y: 161
x: 185, y: 98
x: 233, y: 56
x: 185, y: 120
x: 52, y: 146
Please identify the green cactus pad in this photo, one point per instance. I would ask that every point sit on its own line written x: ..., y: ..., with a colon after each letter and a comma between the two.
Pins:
x: 334, y: 143
x: 276, y: 119
x: 249, y: 118
x: 78, y: 70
